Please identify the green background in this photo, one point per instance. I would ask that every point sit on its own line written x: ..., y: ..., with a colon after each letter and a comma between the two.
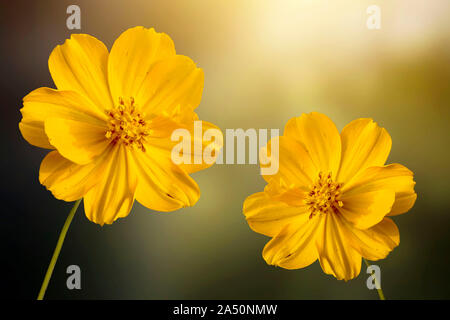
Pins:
x: 265, y: 62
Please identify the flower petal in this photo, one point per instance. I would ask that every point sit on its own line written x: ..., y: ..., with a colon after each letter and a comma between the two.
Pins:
x: 213, y: 145
x: 162, y: 186
x: 376, y: 242
x: 364, y: 144
x: 113, y: 196
x: 295, y: 166
x: 404, y: 201
x: 161, y: 138
x: 67, y: 180
x: 173, y: 87
x: 293, y: 196
x: 394, y: 177
x: 80, y: 65
x: 268, y: 216
x: 45, y: 103
x: 365, y: 209
x: 320, y: 138
x: 131, y: 57
x: 336, y: 255
x: 78, y: 141
x: 294, y: 246
x: 34, y: 133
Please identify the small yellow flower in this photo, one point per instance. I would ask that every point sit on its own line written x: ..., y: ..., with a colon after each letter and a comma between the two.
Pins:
x: 110, y: 122
x: 331, y: 197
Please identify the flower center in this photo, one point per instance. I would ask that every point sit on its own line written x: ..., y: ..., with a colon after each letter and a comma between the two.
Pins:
x: 324, y: 196
x: 127, y: 126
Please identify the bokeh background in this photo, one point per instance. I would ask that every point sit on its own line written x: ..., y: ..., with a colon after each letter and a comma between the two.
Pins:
x: 265, y: 62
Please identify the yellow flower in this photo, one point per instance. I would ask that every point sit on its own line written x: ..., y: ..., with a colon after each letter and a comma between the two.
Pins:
x: 331, y: 197
x: 110, y: 122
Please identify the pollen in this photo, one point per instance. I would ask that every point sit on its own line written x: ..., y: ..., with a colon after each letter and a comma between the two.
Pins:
x: 324, y: 196
x: 127, y: 125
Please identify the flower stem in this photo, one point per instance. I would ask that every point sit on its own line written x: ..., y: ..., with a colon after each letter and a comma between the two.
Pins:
x: 380, y: 291
x: 59, y: 244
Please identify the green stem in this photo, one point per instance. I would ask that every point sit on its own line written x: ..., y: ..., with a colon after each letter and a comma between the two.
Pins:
x: 59, y: 244
x: 380, y: 291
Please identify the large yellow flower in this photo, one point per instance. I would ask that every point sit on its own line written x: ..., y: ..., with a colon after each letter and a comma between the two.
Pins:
x: 331, y: 197
x: 110, y: 122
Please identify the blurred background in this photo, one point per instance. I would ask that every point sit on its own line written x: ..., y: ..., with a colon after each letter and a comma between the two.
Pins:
x: 265, y: 62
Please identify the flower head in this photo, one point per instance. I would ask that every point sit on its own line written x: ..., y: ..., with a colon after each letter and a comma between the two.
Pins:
x: 331, y: 197
x: 110, y: 120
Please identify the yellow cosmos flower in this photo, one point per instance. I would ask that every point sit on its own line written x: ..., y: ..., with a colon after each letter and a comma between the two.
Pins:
x: 331, y: 197
x: 110, y: 122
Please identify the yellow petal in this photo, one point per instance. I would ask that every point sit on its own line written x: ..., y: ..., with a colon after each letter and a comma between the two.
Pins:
x: 364, y: 144
x: 80, y: 65
x: 320, y: 138
x: 394, y: 177
x: 404, y: 201
x: 78, y: 141
x: 293, y: 196
x: 45, y: 103
x: 295, y: 166
x: 200, y: 144
x: 67, y: 180
x: 268, y: 216
x: 113, y: 196
x: 162, y: 186
x: 34, y: 133
x: 336, y: 255
x: 162, y: 128
x: 173, y: 87
x: 131, y: 57
x: 294, y: 247
x: 376, y: 242
x: 365, y: 209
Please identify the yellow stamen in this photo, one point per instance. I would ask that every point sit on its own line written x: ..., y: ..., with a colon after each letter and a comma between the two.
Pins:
x: 324, y: 195
x: 127, y: 125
